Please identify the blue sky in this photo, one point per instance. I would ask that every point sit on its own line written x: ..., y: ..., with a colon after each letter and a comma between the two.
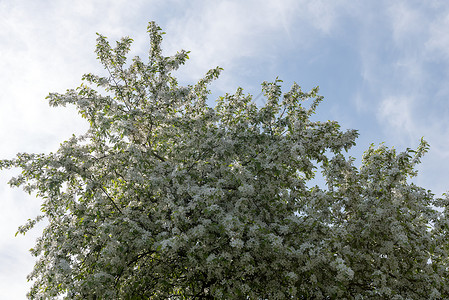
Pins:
x: 382, y: 66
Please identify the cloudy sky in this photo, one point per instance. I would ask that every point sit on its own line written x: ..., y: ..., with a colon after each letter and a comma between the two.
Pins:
x: 382, y: 67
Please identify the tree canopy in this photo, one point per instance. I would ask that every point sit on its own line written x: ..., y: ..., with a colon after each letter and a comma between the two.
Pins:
x: 167, y: 197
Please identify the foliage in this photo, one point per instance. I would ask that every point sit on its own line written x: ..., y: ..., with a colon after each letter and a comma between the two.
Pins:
x: 167, y: 197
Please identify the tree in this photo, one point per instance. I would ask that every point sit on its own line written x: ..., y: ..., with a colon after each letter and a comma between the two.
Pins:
x: 165, y: 197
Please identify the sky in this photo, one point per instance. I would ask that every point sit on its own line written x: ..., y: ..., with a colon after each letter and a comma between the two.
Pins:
x: 382, y: 67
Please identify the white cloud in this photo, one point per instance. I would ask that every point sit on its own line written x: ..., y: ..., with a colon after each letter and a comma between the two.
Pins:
x: 406, y: 22
x: 395, y: 113
x: 404, y: 58
x: 223, y: 33
x: 437, y: 44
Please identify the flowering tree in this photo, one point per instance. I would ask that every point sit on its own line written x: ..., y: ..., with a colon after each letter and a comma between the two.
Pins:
x: 166, y: 197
